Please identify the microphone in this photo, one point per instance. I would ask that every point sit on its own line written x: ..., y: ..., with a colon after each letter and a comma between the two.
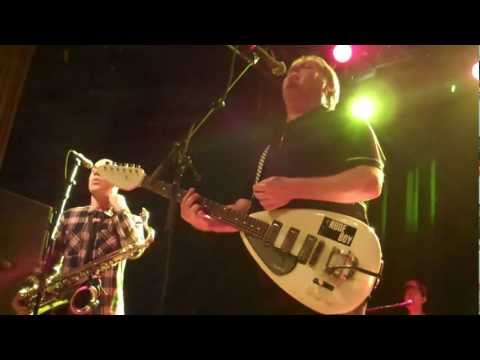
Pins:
x: 86, y: 162
x: 278, y: 68
x: 392, y: 306
x: 406, y: 302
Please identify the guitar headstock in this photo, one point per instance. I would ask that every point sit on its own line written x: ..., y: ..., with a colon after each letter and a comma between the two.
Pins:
x: 126, y: 176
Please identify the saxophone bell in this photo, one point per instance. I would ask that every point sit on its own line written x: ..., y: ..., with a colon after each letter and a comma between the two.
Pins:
x: 85, y: 298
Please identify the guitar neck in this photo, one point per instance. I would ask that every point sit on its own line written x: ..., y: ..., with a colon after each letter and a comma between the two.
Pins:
x: 216, y: 210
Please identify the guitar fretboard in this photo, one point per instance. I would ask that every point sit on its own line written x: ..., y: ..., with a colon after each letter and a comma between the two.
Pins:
x: 218, y: 211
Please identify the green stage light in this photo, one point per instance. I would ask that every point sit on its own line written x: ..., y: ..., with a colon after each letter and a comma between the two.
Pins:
x: 363, y: 108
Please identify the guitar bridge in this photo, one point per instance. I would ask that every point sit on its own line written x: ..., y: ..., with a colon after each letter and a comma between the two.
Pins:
x: 341, y: 264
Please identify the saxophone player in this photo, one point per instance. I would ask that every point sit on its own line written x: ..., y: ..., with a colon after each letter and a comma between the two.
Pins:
x: 90, y: 232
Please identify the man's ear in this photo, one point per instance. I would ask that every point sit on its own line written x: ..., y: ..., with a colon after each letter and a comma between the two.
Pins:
x: 323, y: 80
x: 329, y: 90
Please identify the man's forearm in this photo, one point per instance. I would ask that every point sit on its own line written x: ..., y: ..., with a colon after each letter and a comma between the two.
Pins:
x: 358, y: 184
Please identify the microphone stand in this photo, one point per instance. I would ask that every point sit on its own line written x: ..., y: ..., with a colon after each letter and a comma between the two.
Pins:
x: 181, y: 161
x: 49, y: 241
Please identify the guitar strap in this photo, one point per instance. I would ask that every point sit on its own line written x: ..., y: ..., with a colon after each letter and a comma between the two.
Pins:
x: 260, y: 166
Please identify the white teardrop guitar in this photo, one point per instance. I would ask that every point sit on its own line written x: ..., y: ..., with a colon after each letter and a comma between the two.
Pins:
x: 328, y: 261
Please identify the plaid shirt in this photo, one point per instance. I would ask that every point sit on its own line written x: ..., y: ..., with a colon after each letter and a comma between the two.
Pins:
x: 84, y: 234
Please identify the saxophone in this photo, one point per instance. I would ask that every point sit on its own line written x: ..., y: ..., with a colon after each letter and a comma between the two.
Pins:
x: 81, y: 287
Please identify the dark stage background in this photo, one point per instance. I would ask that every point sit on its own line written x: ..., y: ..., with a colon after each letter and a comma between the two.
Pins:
x: 130, y: 103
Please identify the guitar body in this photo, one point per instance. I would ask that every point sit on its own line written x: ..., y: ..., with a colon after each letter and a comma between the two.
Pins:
x: 309, y: 276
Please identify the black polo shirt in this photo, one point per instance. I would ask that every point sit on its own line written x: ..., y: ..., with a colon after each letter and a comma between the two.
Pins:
x: 323, y: 143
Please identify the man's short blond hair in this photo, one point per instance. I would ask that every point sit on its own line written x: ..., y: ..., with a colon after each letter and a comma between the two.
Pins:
x: 332, y: 94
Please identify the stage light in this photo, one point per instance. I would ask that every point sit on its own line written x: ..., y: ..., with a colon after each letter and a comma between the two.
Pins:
x: 342, y: 53
x: 373, y: 103
x: 363, y: 108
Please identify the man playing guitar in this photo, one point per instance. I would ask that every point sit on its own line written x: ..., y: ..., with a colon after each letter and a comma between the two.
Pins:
x: 322, y: 160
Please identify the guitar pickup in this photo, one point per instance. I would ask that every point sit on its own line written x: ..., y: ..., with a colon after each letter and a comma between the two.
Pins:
x: 306, y: 249
x: 290, y: 240
x: 316, y: 254
x: 272, y: 233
